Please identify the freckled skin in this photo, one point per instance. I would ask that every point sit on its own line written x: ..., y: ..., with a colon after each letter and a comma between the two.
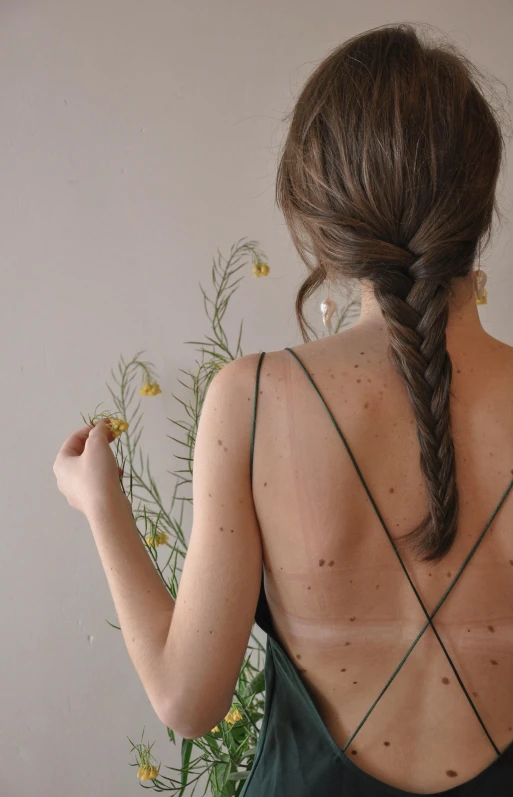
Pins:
x: 354, y: 752
x: 492, y: 661
x: 318, y: 521
x: 491, y: 628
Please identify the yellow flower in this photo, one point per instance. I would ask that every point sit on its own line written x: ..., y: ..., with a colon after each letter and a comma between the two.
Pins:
x: 160, y: 538
x: 215, y: 729
x: 233, y: 716
x: 147, y: 772
x: 117, y: 426
x: 150, y: 389
x: 260, y: 269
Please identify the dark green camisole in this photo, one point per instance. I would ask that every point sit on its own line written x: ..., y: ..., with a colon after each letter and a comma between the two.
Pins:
x: 296, y: 756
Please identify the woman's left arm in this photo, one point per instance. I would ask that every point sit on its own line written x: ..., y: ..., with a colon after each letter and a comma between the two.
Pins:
x: 188, y: 652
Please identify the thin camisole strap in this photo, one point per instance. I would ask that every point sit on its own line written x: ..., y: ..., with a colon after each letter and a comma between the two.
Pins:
x: 263, y: 613
x: 253, y: 424
x: 429, y: 617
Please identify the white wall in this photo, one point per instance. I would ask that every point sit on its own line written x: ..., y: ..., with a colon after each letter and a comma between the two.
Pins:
x: 136, y: 138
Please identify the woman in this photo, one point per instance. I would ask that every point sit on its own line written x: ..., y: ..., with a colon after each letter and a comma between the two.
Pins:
x: 369, y: 472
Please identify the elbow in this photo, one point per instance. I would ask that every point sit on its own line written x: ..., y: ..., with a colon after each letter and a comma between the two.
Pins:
x: 186, y: 727
x: 188, y: 721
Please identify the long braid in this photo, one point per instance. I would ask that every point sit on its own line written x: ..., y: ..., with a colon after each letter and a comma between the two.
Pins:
x: 416, y: 313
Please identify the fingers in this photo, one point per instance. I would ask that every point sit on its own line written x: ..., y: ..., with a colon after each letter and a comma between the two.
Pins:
x: 75, y: 443
x: 103, y: 426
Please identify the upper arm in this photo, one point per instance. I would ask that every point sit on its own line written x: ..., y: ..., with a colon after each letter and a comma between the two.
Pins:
x: 220, y: 582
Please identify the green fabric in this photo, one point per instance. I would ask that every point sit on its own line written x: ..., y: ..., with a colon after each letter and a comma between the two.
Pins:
x: 296, y: 755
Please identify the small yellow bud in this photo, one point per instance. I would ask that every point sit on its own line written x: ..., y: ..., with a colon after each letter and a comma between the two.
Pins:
x: 233, y: 716
x: 117, y: 426
x: 260, y: 269
x: 150, y: 389
x: 145, y: 773
x: 215, y: 729
x: 160, y: 538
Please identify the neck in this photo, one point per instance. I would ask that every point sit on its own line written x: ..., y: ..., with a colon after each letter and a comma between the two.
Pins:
x: 464, y: 323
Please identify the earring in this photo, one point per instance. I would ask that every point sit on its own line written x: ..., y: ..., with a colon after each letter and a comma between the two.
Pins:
x: 480, y: 283
x: 328, y: 307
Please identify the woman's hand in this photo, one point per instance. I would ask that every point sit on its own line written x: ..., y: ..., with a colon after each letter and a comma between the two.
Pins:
x: 86, y: 469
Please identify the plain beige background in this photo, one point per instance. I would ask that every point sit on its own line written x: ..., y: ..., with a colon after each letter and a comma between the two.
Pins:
x: 136, y: 138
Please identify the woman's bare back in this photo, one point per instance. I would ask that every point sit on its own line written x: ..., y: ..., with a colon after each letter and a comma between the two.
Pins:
x: 341, y: 603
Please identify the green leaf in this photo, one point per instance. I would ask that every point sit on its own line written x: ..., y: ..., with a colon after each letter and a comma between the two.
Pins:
x: 219, y: 780
x: 240, y: 775
x: 187, y: 745
x: 212, y: 743
x: 257, y: 684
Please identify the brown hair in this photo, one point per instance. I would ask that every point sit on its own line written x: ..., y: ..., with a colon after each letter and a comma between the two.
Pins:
x: 388, y: 173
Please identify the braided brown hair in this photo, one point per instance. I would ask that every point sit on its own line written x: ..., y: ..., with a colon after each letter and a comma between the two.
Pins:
x: 388, y: 173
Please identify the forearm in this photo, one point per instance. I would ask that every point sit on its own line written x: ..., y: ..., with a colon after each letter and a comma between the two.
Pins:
x: 143, y: 603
